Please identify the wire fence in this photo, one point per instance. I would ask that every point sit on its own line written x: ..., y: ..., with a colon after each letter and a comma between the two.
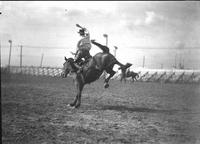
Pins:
x: 145, y: 75
x: 149, y: 57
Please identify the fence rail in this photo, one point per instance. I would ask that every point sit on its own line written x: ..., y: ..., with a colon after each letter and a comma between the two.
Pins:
x: 145, y: 75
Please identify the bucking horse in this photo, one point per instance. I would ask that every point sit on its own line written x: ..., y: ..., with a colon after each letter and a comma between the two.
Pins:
x: 91, y: 70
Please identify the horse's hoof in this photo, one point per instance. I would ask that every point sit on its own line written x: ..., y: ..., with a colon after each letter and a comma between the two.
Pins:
x: 71, y: 107
x: 77, y: 106
x: 106, y: 85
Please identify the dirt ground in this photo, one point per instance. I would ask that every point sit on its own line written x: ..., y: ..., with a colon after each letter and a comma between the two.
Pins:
x: 34, y: 111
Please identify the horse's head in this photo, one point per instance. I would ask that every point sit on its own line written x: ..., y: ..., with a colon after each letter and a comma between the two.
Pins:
x: 67, y: 67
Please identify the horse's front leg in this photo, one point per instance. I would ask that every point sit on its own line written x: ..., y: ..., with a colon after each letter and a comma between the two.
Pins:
x: 111, y: 74
x: 79, y: 88
x: 79, y: 82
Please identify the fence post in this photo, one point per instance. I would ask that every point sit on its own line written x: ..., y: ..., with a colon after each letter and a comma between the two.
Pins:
x: 167, y: 80
x: 48, y: 71
x: 141, y: 78
x: 25, y: 70
x: 10, y: 41
x: 180, y: 77
x: 21, y: 58
x: 38, y: 71
x: 43, y: 71
x: 58, y: 72
x: 162, y: 75
x: 151, y: 76
x: 54, y: 72
x: 34, y: 71
x: 191, y: 77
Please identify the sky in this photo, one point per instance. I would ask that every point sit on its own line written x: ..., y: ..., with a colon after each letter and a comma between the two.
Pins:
x: 165, y: 33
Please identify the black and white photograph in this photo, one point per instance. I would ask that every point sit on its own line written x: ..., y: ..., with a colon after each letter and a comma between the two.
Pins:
x: 100, y: 72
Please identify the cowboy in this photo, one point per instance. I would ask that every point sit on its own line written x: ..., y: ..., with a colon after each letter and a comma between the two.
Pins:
x: 83, y: 45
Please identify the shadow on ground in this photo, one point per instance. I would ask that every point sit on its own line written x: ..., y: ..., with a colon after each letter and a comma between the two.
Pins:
x: 123, y: 108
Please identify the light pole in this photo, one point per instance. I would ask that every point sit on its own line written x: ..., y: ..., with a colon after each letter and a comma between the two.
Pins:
x: 21, y: 56
x: 175, y: 61
x: 143, y: 61
x: 115, y: 51
x: 106, y: 36
x: 10, y: 41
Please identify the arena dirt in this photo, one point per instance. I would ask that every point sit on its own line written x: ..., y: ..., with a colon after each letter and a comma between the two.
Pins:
x: 34, y: 111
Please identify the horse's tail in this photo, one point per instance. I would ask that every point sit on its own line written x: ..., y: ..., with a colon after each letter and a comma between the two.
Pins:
x: 105, y: 49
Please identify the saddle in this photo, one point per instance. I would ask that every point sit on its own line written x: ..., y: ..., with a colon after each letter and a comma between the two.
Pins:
x: 82, y: 64
x: 85, y: 65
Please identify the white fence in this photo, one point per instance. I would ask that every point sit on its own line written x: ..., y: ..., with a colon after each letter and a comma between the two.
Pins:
x: 166, y: 75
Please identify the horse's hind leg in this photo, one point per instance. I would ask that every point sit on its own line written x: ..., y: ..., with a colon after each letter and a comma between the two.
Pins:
x: 111, y: 74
